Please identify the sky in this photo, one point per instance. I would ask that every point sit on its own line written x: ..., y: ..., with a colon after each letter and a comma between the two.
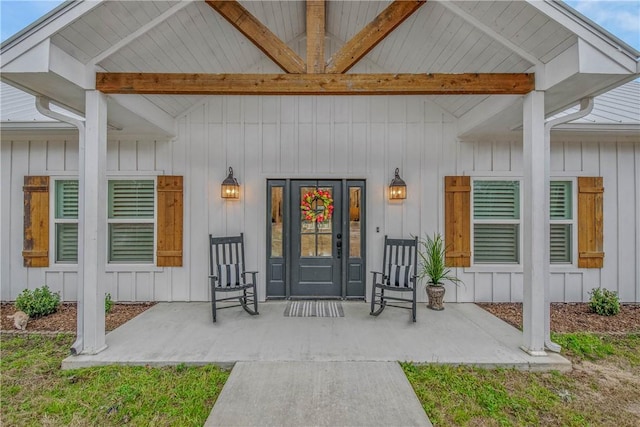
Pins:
x: 620, y: 17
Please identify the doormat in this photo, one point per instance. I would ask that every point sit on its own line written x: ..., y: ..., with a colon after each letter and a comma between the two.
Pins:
x: 313, y: 309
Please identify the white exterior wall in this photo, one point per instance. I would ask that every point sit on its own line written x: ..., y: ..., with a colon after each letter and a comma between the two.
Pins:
x: 308, y: 137
x: 613, y: 156
x: 55, y: 153
x: 323, y: 137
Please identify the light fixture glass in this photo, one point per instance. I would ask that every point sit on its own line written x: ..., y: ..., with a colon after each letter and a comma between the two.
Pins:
x: 397, y: 188
x: 230, y: 187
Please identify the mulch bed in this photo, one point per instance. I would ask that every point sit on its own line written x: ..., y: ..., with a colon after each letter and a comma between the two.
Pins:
x: 565, y: 317
x: 64, y: 320
x: 573, y: 317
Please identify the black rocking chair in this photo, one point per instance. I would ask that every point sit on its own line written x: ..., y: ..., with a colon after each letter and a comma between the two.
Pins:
x: 400, y: 262
x: 227, y: 274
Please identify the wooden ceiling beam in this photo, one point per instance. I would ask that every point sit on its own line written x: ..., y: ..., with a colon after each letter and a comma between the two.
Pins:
x: 315, y: 36
x: 315, y: 84
x: 372, y: 34
x: 260, y: 35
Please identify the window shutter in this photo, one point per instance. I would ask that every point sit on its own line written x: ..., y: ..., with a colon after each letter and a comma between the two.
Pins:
x: 590, y: 222
x: 457, y: 225
x: 170, y: 212
x: 36, y: 221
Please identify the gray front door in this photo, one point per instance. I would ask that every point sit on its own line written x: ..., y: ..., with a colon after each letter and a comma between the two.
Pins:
x: 316, y: 246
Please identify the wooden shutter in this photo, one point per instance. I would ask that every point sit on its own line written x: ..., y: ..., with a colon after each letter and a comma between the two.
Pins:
x: 590, y: 222
x: 457, y: 220
x: 170, y: 214
x: 36, y: 221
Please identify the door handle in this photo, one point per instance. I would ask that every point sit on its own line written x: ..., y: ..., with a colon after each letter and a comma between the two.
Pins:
x: 339, y: 247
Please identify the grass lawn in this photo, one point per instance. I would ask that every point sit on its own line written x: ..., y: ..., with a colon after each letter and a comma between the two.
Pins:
x: 35, y: 392
x: 602, y: 389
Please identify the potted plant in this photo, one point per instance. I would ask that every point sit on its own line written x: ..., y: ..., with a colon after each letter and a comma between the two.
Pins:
x: 433, y: 268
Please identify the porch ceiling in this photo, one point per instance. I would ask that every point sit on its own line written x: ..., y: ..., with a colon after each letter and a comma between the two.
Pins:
x: 440, y: 37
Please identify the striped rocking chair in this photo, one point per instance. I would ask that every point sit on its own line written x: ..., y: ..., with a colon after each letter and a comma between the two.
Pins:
x: 400, y: 264
x: 227, y: 274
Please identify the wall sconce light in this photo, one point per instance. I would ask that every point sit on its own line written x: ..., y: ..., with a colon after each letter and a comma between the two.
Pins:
x: 230, y: 187
x: 397, y: 188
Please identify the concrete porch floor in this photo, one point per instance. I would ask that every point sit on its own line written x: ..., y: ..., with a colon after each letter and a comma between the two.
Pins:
x: 175, y: 333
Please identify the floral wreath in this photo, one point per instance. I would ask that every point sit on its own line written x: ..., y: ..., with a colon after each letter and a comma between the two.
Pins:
x: 311, y: 214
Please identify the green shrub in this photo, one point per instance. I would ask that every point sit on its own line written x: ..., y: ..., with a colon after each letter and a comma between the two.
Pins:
x: 604, y: 302
x: 39, y: 302
x: 108, y: 302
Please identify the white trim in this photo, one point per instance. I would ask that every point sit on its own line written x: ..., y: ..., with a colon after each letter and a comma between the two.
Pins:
x: 134, y: 266
x: 573, y: 222
x: 598, y: 127
x: 518, y: 221
x: 148, y: 111
x: 589, y: 33
x: 53, y: 221
x: 139, y: 32
x: 45, y: 28
x: 492, y: 33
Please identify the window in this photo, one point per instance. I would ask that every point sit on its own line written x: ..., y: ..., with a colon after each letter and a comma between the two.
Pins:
x: 490, y: 232
x: 131, y: 217
x: 561, y: 222
x: 66, y: 221
x: 496, y: 222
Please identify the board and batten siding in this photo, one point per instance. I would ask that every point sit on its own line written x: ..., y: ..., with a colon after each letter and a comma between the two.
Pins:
x: 616, y: 158
x: 272, y: 137
x: 55, y: 154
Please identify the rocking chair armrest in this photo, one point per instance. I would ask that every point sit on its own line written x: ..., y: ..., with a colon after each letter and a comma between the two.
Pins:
x: 376, y: 273
x: 253, y: 273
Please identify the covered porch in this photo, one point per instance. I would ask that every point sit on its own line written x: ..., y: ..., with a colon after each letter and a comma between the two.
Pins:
x: 182, y: 333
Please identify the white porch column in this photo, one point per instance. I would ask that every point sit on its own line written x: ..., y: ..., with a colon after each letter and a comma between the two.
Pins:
x: 536, y: 157
x: 92, y: 208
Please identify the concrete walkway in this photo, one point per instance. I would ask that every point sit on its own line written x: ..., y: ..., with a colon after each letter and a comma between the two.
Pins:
x: 317, y: 394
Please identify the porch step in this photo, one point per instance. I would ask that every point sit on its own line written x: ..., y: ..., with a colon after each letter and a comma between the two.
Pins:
x: 317, y: 394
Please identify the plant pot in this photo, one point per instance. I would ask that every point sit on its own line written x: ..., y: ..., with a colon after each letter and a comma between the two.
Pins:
x: 436, y: 297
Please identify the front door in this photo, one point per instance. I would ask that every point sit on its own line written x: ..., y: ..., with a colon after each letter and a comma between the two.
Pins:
x: 316, y: 239
x: 308, y: 257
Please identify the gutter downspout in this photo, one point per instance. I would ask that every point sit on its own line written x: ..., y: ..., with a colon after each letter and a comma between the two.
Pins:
x: 586, y: 106
x: 42, y: 105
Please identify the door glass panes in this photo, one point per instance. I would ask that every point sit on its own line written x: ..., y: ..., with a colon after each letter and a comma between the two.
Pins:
x: 316, y: 238
x: 324, y: 245
x: 276, y: 221
x: 355, y: 226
